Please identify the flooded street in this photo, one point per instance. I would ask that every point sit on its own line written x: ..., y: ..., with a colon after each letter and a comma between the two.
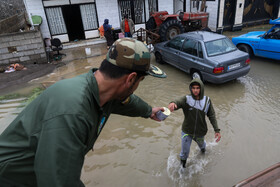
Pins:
x: 141, y: 152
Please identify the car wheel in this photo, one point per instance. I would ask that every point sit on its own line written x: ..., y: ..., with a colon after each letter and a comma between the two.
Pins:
x: 246, y: 49
x: 196, y: 75
x: 159, y: 58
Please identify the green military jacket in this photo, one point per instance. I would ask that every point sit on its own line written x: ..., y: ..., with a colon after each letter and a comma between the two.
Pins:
x: 195, y: 111
x: 46, y: 144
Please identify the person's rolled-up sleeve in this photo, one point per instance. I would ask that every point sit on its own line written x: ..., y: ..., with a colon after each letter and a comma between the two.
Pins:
x: 134, y: 107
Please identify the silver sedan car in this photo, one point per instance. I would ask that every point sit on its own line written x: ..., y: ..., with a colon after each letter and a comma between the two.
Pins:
x: 209, y: 56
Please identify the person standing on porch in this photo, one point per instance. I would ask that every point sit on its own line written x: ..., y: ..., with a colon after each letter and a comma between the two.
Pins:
x: 127, y: 26
x: 108, y: 33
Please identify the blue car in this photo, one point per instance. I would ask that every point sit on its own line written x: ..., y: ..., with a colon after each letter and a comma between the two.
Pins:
x: 261, y: 43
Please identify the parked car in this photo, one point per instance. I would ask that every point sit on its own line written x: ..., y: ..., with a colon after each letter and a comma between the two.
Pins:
x: 261, y: 43
x: 209, y: 56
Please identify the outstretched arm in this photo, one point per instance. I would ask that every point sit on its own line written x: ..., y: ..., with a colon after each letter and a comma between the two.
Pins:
x: 177, y: 104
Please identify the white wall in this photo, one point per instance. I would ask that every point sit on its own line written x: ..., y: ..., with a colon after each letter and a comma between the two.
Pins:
x: 239, y: 12
x: 221, y: 13
x: 166, y: 5
x: 35, y: 7
x: 212, y: 9
x: 108, y: 9
x: 178, y: 6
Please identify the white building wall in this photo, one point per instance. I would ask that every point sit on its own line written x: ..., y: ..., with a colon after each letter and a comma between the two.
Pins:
x: 239, y: 12
x: 35, y: 7
x: 221, y: 13
x: 212, y: 9
x: 166, y: 5
x: 178, y: 6
x: 108, y: 9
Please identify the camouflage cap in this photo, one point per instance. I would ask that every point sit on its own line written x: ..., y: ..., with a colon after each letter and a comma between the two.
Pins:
x: 134, y: 55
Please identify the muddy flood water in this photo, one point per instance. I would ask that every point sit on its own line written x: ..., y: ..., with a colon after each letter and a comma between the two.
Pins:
x: 141, y: 152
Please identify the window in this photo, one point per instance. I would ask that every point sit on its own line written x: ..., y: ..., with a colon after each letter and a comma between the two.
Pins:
x: 56, y: 21
x: 176, y: 43
x: 200, y: 52
x: 89, y: 17
x: 190, y: 47
x: 151, y: 6
x: 218, y: 47
x: 274, y: 33
x: 137, y: 10
x: 134, y: 9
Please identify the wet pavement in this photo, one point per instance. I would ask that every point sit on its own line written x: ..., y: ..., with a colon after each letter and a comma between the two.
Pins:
x: 141, y: 152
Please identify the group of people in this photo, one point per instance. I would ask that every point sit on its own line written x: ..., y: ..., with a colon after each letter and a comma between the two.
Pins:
x: 127, y: 29
x: 46, y: 143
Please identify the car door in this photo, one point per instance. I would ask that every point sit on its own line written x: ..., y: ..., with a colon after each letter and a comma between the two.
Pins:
x: 270, y: 45
x: 172, y: 50
x: 191, y: 55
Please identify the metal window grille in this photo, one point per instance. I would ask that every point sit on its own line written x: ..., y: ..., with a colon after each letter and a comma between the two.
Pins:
x: 125, y: 9
x: 134, y: 9
x: 56, y: 21
x: 89, y: 18
x: 139, y: 11
x: 152, y: 5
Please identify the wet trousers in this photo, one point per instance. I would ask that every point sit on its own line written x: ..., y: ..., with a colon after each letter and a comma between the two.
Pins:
x: 186, y: 144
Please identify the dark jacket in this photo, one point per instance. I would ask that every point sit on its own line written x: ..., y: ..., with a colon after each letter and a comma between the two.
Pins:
x: 46, y: 144
x: 195, y: 111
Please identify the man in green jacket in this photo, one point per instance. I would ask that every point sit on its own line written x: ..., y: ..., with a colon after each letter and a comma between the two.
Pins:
x: 45, y: 145
x: 195, y: 106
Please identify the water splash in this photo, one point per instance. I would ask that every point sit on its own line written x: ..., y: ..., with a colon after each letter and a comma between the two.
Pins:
x: 195, y: 166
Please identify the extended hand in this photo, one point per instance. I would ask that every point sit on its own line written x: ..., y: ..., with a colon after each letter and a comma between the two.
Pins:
x: 154, y: 111
x: 172, y: 107
x: 217, y: 136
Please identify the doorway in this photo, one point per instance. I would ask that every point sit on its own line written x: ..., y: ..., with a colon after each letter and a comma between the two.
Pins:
x: 73, y: 22
x: 229, y: 14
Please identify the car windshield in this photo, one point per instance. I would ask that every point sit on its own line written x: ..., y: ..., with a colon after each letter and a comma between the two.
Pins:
x: 220, y: 46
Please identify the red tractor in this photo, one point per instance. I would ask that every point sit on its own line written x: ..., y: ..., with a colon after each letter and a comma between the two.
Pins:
x: 167, y: 26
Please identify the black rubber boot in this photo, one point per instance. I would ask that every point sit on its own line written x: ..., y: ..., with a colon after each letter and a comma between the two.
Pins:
x: 183, y: 163
x: 203, y: 150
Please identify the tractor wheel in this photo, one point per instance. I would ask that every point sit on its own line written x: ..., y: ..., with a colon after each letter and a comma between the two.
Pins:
x: 169, y: 29
x: 151, y: 24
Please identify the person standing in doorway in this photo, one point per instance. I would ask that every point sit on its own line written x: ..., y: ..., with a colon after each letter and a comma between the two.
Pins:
x: 195, y: 107
x: 127, y: 26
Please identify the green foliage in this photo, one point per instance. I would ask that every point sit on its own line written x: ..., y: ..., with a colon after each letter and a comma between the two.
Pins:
x: 9, y: 96
x: 34, y: 93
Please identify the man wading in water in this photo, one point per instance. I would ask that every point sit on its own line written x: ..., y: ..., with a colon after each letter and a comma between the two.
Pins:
x: 195, y: 106
x: 46, y: 144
